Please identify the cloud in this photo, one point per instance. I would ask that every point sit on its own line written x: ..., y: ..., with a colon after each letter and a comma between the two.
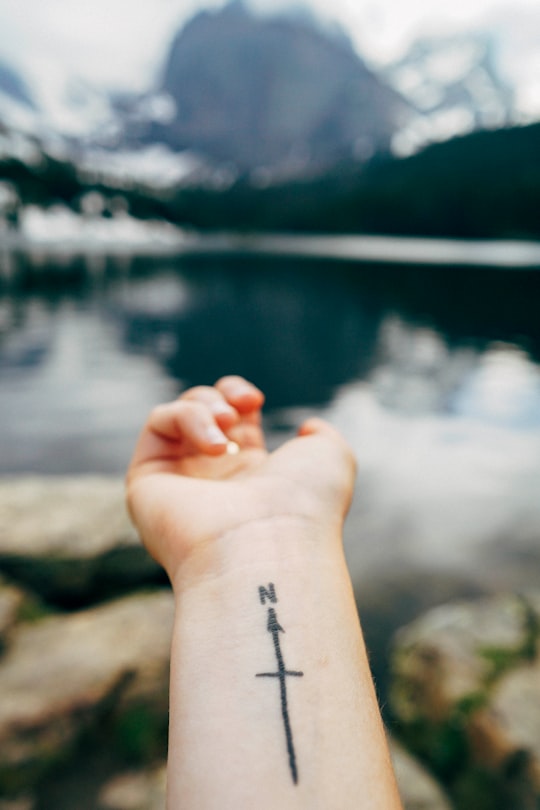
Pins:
x: 119, y: 43
x: 108, y: 42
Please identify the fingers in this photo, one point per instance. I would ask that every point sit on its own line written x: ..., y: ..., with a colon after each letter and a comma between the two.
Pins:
x: 190, y: 422
x: 224, y: 414
x: 204, y: 420
x: 236, y: 405
x: 248, y: 401
x: 314, y: 426
x: 321, y: 428
x: 241, y: 394
x: 230, y: 395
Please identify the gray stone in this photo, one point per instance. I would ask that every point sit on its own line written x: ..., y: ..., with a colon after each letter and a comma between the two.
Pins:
x: 11, y: 602
x: 135, y: 791
x: 70, y: 539
x: 437, y: 659
x: 417, y: 788
x: 25, y: 803
x: 466, y: 689
x: 60, y: 675
x: 515, y: 712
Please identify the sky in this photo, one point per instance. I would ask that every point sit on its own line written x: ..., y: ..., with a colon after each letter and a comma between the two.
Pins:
x: 120, y: 44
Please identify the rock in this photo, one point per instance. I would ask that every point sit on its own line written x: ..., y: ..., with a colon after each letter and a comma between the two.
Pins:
x: 11, y: 602
x: 417, y: 788
x: 70, y: 540
x: 438, y: 656
x: 466, y: 690
x: 515, y: 711
x: 18, y: 804
x: 135, y: 791
x: 239, y: 105
x: 388, y: 600
x: 63, y: 675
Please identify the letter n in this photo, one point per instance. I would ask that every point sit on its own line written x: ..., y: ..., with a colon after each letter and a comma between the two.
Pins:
x: 267, y: 593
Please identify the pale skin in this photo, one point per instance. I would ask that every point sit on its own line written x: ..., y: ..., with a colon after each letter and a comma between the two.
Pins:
x: 225, y: 517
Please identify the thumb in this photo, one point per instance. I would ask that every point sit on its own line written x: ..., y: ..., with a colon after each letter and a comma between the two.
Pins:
x: 316, y: 426
x: 330, y: 436
x: 320, y: 461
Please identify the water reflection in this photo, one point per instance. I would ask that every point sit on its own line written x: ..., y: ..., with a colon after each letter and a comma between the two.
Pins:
x: 504, y: 390
x: 132, y: 332
x: 296, y: 336
x: 417, y: 371
x: 432, y: 376
x: 71, y: 400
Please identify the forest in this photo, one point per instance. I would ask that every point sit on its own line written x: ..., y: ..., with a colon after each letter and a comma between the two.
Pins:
x: 482, y: 185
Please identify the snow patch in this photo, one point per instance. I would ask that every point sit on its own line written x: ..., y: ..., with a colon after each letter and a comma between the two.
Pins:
x: 155, y: 166
x: 59, y: 226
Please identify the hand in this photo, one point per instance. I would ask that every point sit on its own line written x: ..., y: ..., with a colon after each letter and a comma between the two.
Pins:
x: 186, y: 491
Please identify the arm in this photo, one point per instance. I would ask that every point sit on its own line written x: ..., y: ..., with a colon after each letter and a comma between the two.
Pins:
x: 272, y: 701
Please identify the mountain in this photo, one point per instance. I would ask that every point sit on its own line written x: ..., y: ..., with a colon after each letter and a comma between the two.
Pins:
x: 46, y: 113
x: 13, y: 86
x: 272, y: 92
x: 249, y: 103
x: 272, y: 97
x: 17, y: 106
x: 455, y: 85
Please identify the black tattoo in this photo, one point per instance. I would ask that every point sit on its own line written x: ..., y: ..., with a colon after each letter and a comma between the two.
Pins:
x: 267, y: 593
x: 274, y: 628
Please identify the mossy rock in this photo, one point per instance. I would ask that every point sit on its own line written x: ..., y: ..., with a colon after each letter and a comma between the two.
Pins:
x: 466, y: 693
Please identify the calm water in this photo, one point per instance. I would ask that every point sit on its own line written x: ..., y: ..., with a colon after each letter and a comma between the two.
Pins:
x: 433, y: 375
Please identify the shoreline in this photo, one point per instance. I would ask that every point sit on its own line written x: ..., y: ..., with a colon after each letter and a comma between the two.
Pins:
x: 126, y: 236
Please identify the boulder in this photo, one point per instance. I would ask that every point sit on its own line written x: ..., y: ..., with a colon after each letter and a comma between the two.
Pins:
x: 466, y: 692
x: 70, y: 540
x: 136, y: 790
x: 11, y: 602
x: 17, y: 804
x: 65, y: 674
x: 417, y: 788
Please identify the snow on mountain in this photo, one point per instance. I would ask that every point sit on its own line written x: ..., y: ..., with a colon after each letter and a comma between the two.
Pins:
x: 12, y: 84
x: 66, y: 104
x: 59, y: 226
x: 515, y: 32
x: 17, y: 107
x: 455, y: 84
x: 45, y: 112
x: 154, y: 166
x: 235, y: 94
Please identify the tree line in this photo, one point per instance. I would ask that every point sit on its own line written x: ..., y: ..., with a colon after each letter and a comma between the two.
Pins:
x: 482, y: 185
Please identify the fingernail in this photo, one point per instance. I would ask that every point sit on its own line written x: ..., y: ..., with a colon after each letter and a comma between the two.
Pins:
x: 244, y: 392
x: 219, y: 408
x: 215, y: 436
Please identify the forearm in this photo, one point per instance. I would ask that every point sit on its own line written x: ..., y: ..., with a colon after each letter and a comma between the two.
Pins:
x: 272, y: 702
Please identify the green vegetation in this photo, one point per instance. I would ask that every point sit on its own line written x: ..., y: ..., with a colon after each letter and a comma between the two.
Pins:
x: 504, y: 659
x: 445, y: 736
x: 141, y: 735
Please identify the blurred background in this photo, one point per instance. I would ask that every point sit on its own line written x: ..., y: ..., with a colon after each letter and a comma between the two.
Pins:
x: 341, y: 204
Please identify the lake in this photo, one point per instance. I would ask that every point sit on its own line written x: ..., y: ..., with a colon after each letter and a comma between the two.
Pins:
x: 431, y: 372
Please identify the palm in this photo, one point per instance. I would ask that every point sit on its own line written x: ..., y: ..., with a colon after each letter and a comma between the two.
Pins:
x: 184, y: 490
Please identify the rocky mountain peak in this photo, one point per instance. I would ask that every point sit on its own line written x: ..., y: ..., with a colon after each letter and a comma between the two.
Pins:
x: 276, y: 92
x: 456, y: 85
x: 13, y: 85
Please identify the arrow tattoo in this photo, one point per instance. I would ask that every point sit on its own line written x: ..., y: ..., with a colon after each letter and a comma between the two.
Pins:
x: 274, y: 628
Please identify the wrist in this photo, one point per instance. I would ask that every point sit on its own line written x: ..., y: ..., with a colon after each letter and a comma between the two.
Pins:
x: 281, y: 602
x: 282, y: 544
